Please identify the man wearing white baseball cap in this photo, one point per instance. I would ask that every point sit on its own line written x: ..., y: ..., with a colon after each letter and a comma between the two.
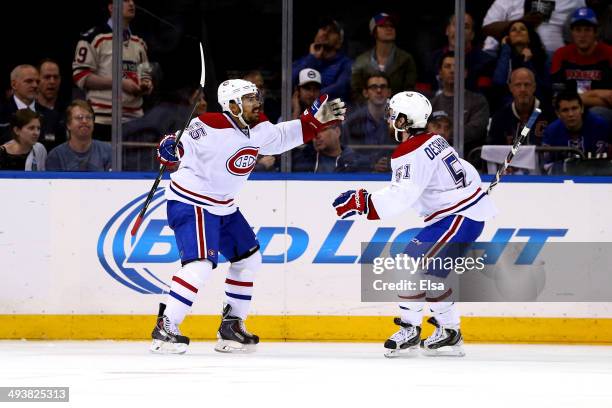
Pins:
x: 307, y: 91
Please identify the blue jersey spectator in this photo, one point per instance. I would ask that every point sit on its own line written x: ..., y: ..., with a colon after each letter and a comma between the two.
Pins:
x: 577, y: 128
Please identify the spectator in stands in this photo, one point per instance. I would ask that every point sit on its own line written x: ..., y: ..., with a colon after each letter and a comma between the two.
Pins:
x: 325, y: 56
x: 576, y: 128
x: 168, y: 116
x: 476, y: 115
x: 256, y: 78
x: 441, y: 124
x: 24, y: 85
x: 325, y: 154
x: 385, y: 56
x: 307, y: 91
x: 24, y: 152
x: 546, y: 16
x: 586, y: 64
x: 270, y: 106
x: 510, y: 120
x: 367, y: 125
x: 522, y: 47
x: 49, y: 85
x: 80, y: 152
x: 603, y: 13
x: 48, y: 96
x: 478, y: 64
x: 92, y: 71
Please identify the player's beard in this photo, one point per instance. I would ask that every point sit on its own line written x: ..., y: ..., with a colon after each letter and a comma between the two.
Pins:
x: 252, y: 117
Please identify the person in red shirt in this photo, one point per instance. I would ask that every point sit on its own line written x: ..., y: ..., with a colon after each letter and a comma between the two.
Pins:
x: 586, y: 64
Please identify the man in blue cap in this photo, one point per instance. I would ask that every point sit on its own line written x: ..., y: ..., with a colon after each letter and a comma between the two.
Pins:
x: 586, y: 64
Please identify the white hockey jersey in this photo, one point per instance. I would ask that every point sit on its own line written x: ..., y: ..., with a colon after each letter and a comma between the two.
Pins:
x: 218, y: 158
x: 429, y: 176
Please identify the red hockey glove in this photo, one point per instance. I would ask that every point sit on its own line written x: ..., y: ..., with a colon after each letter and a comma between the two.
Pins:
x: 352, y: 203
x: 322, y: 114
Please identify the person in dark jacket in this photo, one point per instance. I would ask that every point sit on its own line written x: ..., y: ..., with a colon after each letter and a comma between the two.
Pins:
x: 325, y: 56
x: 325, y: 154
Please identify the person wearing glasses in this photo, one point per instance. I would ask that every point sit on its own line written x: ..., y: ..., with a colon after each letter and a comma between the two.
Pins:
x: 81, y: 152
x: 366, y: 125
x: 325, y: 57
x: 385, y: 56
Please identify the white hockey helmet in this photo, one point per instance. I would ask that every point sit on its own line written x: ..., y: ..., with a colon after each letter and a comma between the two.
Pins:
x: 233, y: 90
x: 408, y: 110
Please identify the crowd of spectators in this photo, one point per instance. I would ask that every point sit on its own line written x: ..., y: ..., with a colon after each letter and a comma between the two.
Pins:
x: 532, y: 55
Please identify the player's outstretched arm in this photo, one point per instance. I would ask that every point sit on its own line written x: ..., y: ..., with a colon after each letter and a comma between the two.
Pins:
x: 354, y: 202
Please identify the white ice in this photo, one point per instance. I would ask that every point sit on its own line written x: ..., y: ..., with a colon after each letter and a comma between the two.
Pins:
x: 124, y: 374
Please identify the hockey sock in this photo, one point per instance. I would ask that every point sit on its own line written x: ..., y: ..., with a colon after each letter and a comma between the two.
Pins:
x: 184, y: 288
x: 412, y: 312
x: 445, y: 313
x: 239, y: 284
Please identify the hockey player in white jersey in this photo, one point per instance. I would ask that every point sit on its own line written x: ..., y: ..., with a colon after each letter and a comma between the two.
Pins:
x: 429, y: 176
x: 215, y: 158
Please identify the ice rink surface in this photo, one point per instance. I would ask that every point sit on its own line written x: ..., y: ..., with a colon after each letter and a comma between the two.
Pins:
x: 125, y: 374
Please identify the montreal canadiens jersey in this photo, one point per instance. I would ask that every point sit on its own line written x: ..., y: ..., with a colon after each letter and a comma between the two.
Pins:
x: 429, y: 176
x: 218, y: 158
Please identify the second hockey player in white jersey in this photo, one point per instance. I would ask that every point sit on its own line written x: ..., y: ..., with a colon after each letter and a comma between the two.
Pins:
x: 215, y: 157
x: 428, y: 176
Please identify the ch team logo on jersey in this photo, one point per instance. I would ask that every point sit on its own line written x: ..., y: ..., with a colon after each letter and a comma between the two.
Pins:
x: 242, y: 162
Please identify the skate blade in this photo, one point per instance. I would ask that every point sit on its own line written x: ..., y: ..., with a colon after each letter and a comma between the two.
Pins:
x: 163, y: 347
x: 446, y: 351
x: 407, y: 352
x: 230, y: 346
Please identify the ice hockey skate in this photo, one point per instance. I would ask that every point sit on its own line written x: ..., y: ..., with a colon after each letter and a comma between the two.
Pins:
x: 233, y: 336
x: 405, y: 341
x: 167, y: 338
x: 445, y: 341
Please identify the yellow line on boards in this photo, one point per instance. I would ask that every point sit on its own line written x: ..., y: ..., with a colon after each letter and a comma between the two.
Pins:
x: 306, y: 328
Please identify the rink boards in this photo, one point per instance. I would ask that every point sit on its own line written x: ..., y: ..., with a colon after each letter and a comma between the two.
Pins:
x: 71, y: 269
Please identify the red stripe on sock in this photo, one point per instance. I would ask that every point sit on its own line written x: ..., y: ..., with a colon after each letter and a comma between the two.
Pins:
x: 201, y: 233
x: 238, y: 283
x: 185, y: 284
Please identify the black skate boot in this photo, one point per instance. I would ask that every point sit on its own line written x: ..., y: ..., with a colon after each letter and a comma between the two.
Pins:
x: 167, y: 338
x: 445, y: 341
x: 407, y: 338
x: 233, y: 336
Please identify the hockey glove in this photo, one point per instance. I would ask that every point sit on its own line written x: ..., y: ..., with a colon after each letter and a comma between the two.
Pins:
x: 168, y: 153
x: 323, y: 113
x: 352, y: 203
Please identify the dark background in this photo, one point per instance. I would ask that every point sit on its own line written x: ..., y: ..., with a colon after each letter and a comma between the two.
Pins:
x: 238, y: 35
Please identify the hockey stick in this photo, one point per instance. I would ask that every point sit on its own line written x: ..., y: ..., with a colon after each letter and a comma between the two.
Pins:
x: 515, y: 147
x: 178, y: 138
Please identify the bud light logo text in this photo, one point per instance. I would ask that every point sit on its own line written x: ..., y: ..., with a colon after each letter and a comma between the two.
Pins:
x: 145, y: 263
